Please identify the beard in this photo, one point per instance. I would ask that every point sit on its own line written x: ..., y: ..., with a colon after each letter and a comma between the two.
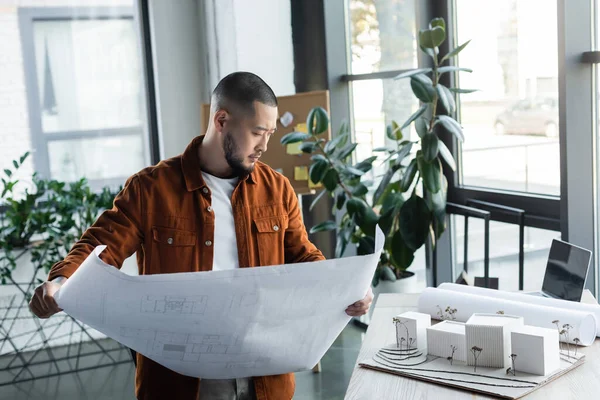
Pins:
x: 235, y: 161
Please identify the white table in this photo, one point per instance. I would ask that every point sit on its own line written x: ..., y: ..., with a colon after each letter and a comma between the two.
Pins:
x: 582, y: 383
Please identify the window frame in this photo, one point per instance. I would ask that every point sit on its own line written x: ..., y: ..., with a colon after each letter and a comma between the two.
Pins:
x: 574, y: 213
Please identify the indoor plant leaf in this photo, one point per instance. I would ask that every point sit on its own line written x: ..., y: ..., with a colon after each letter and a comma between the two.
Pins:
x: 415, y: 218
x: 402, y: 255
x: 318, y: 170
x: 446, y: 155
x: 316, y: 200
x: 431, y: 173
x: 446, y: 98
x: 421, y: 127
x: 413, y: 72
x: 409, y: 175
x: 429, y: 146
x: 414, y: 116
x: 317, y: 121
x: 294, y: 137
x: 324, y: 226
x: 451, y: 126
x: 455, y: 51
x: 330, y: 180
x: 422, y: 87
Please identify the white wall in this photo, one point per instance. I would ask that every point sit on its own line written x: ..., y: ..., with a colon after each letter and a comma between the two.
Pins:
x: 254, y: 36
x: 178, y: 72
x: 198, y: 42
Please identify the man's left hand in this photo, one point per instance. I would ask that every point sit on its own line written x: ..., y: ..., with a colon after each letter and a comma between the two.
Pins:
x: 360, y: 307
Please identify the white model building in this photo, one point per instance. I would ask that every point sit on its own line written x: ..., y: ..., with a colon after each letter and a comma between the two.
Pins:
x: 446, y: 338
x: 411, y: 329
x: 537, y: 350
x: 492, y: 334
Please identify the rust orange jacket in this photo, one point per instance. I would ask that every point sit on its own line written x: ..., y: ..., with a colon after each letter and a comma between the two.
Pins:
x: 162, y: 214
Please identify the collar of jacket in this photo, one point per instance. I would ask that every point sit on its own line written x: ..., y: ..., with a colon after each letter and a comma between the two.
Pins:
x: 190, y: 165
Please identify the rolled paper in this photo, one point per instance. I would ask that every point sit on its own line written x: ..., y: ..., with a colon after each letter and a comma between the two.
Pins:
x: 527, y: 298
x: 459, y: 306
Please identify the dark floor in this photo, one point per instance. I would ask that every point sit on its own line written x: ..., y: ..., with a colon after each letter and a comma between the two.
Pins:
x: 116, y: 382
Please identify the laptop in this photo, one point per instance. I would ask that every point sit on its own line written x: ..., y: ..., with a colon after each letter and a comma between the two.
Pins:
x: 566, y: 271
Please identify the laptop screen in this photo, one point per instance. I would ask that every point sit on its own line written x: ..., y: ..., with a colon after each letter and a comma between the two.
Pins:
x: 566, y: 271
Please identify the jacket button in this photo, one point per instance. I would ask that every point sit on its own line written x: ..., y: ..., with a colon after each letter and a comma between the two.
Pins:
x: 170, y: 240
x: 205, y: 190
x: 209, y: 209
x: 208, y: 243
x: 275, y: 228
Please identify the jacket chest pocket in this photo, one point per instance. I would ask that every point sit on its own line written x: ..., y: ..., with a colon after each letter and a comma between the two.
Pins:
x: 173, y: 250
x: 270, y: 234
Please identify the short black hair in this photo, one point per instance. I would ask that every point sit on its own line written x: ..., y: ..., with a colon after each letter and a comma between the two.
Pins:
x: 239, y: 90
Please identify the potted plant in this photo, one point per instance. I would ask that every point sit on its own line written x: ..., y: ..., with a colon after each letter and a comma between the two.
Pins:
x: 38, y: 226
x: 409, y: 200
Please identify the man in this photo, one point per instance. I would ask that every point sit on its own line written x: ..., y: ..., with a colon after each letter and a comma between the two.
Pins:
x: 214, y: 207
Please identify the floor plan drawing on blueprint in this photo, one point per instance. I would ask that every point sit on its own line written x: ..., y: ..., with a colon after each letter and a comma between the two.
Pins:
x: 223, y: 324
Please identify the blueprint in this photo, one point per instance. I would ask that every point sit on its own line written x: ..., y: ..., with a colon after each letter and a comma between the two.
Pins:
x: 223, y: 324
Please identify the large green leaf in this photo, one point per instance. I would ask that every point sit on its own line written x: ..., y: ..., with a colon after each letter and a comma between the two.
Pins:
x: 421, y: 126
x: 387, y: 274
x: 342, y: 242
x: 366, y: 165
x: 451, y: 126
x: 392, y: 201
x: 319, y: 157
x: 438, y: 22
x: 431, y: 172
x: 393, y: 132
x: 317, y: 121
x: 447, y: 155
x: 437, y: 203
x: 429, y: 145
x: 409, y: 175
x: 353, y: 171
x: 415, y: 218
x: 413, y: 72
x: 294, y: 137
x: 366, y: 246
x: 363, y: 215
x: 359, y: 190
x: 316, y: 199
x: 308, y: 147
x: 422, y: 87
x: 430, y: 52
x: 431, y: 38
x: 415, y: 115
x: 346, y: 151
x: 318, y: 169
x: 464, y: 91
x: 452, y: 68
x: 335, y: 142
x: 402, y: 153
x: 340, y: 199
x: 331, y: 179
x: 324, y: 226
x: 446, y: 98
x: 402, y: 255
x: 455, y: 51
x: 353, y: 205
x: 385, y: 181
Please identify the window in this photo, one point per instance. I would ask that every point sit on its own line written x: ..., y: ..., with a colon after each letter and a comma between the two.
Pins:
x: 73, y: 78
x: 511, y: 122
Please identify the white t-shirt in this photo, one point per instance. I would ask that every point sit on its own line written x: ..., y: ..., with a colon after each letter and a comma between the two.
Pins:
x: 225, y: 245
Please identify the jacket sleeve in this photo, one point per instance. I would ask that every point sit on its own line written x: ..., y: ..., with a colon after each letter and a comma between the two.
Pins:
x: 119, y: 228
x: 298, y: 248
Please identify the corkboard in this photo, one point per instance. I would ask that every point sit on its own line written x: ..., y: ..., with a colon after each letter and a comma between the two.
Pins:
x: 277, y: 157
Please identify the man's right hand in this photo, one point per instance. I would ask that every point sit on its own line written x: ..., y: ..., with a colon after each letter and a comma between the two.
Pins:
x: 42, y: 303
